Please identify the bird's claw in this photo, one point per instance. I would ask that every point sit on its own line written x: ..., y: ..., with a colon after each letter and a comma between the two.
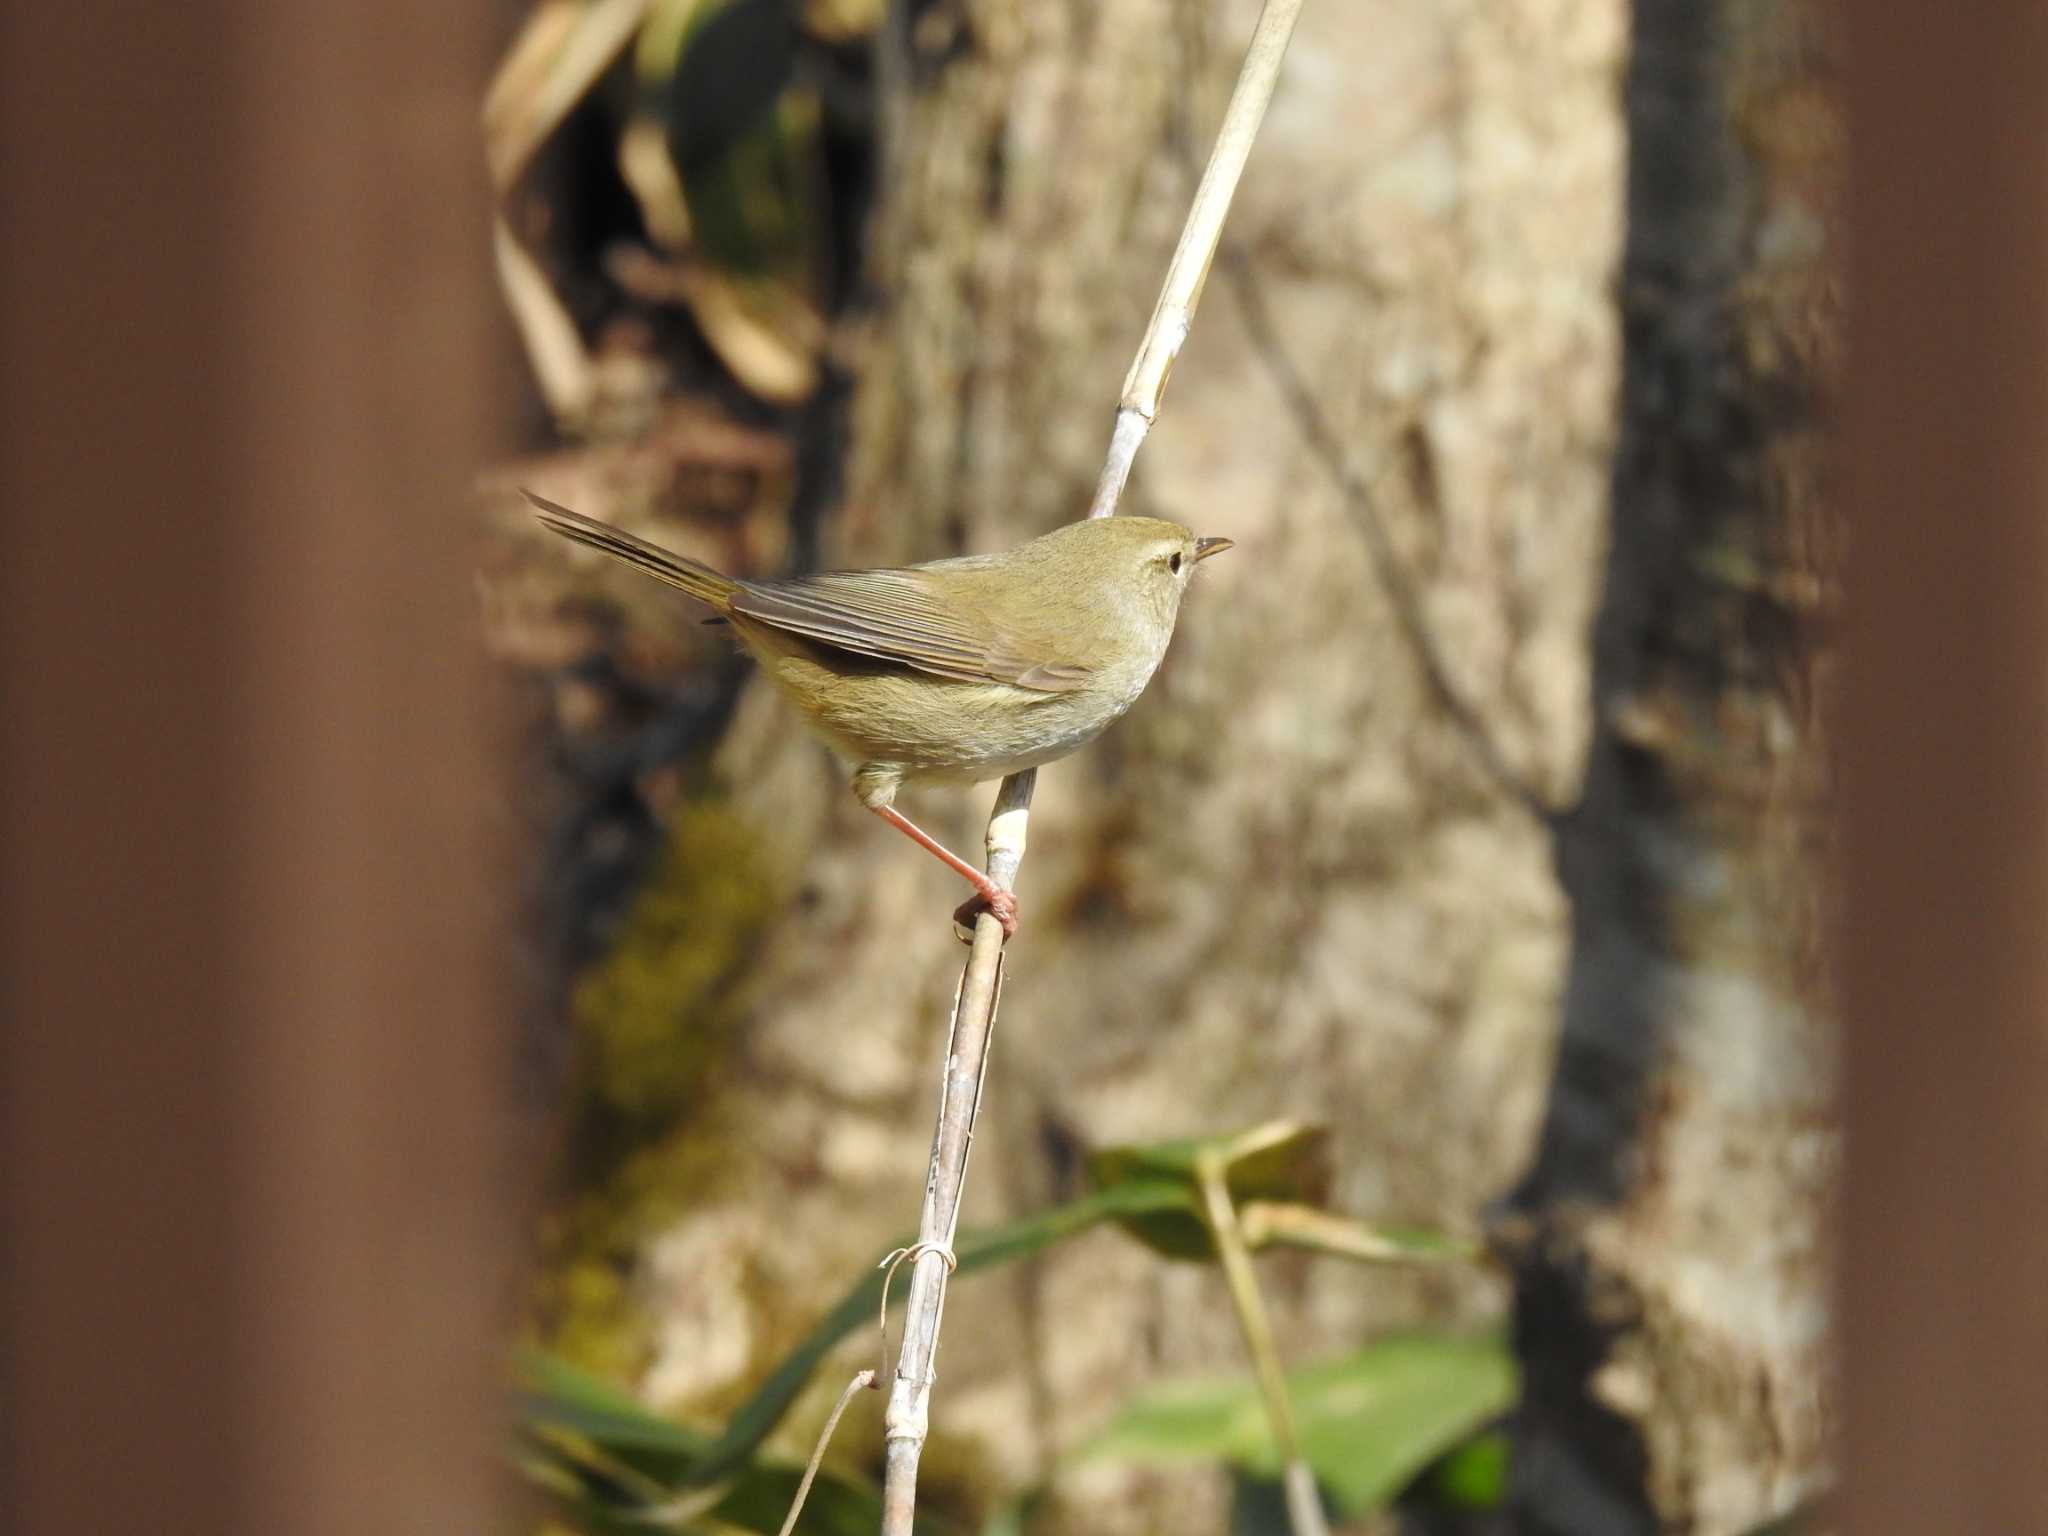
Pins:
x: 1000, y: 904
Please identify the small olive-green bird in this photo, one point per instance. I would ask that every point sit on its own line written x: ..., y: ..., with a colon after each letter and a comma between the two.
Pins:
x: 956, y: 670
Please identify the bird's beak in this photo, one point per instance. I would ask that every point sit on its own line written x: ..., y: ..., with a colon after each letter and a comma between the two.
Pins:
x: 1204, y: 548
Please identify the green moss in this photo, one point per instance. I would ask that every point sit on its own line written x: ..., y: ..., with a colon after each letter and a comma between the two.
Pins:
x: 654, y: 1018
x: 591, y: 1324
x: 655, y: 1021
x: 588, y: 1313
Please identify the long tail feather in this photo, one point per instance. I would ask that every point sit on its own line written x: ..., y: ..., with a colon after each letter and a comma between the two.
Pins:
x: 700, y: 581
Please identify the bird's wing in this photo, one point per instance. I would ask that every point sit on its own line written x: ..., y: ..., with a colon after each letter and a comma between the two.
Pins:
x: 894, y: 616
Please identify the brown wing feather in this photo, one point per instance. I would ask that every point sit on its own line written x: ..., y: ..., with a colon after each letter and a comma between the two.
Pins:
x: 894, y: 616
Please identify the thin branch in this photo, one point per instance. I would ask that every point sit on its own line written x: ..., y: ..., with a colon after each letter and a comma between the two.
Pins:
x: 908, y: 1417
x: 1325, y: 443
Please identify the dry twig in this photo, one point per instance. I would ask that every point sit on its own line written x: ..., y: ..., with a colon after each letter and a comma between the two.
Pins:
x: 796, y: 1507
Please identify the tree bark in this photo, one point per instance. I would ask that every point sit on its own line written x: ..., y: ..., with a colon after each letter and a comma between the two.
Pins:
x: 1669, y: 1242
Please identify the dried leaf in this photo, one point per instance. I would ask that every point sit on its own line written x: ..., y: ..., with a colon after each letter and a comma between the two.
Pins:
x: 561, y: 52
x: 561, y: 363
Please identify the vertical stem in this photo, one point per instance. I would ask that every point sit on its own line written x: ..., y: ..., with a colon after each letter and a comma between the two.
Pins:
x: 1174, y: 315
x: 1304, y: 1505
x: 907, y: 1420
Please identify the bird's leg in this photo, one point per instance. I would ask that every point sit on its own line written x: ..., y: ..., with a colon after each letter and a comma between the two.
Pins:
x: 989, y: 896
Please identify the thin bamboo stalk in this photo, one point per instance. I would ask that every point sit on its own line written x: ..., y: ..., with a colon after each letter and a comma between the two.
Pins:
x: 907, y: 1420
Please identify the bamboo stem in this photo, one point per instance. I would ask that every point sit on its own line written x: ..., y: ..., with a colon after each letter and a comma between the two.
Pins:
x: 907, y: 1419
x: 1174, y: 315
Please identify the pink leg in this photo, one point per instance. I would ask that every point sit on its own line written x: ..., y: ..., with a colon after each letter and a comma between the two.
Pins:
x: 1001, y: 903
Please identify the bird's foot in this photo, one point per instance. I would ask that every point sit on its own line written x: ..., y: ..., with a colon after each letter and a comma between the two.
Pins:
x: 997, y: 902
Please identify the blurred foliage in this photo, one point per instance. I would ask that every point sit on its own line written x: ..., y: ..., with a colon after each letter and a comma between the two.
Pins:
x: 721, y: 117
x: 1369, y: 1422
x: 1143, y: 1188
x: 1278, y: 1175
x: 1280, y: 1161
x: 860, y: 1306
x: 609, y: 1466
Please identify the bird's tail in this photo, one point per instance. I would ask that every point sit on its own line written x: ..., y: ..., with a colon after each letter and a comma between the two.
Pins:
x: 700, y: 581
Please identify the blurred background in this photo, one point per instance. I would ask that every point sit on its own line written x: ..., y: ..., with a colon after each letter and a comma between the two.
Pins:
x: 468, y: 1048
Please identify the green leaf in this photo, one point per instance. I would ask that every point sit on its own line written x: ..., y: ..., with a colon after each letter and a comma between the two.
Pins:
x: 1279, y: 1162
x: 559, y: 1396
x: 1474, y: 1475
x: 1368, y: 1422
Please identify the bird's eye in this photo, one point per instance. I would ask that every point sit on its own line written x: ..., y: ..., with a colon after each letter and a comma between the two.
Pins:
x: 1173, y: 565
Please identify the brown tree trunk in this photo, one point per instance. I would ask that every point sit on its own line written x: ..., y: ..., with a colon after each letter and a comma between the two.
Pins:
x: 1671, y: 1274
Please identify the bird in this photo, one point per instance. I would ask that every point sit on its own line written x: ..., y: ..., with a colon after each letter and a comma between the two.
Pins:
x: 956, y: 670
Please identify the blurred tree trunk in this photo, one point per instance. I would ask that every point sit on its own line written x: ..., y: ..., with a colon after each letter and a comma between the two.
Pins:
x: 1672, y: 1273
